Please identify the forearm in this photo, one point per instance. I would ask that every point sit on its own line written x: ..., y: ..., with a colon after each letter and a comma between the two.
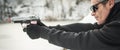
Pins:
x: 76, y: 27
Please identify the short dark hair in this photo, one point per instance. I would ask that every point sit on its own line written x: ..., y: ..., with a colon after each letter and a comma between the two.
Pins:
x: 107, y: 0
x: 104, y: 1
x: 117, y: 1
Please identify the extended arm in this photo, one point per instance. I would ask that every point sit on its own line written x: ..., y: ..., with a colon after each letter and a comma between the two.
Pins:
x: 76, y: 27
x: 97, y: 38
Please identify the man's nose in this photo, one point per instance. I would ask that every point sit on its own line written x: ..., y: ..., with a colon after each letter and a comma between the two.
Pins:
x: 93, y: 13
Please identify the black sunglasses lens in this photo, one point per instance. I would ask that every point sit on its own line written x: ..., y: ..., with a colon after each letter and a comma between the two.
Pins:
x: 93, y: 8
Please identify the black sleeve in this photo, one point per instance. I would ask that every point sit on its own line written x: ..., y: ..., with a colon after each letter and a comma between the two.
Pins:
x: 76, y: 27
x: 97, y: 38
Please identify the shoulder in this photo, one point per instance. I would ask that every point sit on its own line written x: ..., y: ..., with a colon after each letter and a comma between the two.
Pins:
x: 114, y: 23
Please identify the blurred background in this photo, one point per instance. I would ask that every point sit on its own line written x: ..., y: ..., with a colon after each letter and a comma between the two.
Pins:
x: 51, y: 12
x: 45, y: 9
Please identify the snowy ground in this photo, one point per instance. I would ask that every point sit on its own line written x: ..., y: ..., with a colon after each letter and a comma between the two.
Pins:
x: 13, y: 38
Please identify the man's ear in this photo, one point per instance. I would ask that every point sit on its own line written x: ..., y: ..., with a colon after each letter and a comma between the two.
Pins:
x: 111, y: 3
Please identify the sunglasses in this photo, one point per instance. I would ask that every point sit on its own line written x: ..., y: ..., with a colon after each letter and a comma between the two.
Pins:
x: 94, y: 8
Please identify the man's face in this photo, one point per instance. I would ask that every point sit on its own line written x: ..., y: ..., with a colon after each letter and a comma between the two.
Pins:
x: 101, y: 12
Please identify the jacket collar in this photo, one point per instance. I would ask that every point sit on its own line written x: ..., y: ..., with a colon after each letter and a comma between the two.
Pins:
x: 114, y: 13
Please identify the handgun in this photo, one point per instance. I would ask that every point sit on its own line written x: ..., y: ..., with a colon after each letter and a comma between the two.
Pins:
x: 24, y: 19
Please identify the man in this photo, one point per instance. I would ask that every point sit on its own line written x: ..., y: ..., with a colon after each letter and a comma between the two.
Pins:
x: 103, y: 35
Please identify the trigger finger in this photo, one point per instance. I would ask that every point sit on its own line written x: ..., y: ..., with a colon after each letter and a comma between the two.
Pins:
x: 33, y: 22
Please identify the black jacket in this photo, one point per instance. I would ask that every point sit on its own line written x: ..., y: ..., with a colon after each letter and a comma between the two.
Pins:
x: 81, y: 36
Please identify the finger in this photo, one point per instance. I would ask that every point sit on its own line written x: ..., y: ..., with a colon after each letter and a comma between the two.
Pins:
x: 33, y: 22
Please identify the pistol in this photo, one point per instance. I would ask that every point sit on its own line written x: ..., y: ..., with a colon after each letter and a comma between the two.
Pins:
x: 24, y: 19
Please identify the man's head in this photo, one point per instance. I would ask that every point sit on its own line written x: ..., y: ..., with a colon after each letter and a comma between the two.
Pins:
x: 101, y: 9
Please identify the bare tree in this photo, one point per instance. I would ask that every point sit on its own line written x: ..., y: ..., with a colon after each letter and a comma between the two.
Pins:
x: 63, y: 15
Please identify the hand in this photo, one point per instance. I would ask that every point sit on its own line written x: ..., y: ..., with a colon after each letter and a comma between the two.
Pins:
x: 35, y: 31
x: 38, y: 22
